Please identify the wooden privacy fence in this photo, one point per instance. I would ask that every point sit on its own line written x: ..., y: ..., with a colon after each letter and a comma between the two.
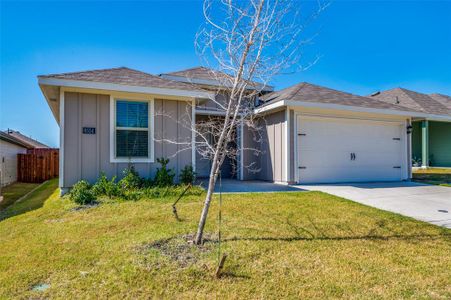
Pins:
x: 38, y: 165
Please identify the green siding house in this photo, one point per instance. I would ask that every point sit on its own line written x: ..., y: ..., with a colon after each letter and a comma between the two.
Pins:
x: 431, y: 135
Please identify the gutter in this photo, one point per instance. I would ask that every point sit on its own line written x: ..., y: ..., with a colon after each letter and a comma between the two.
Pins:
x: 292, y: 103
x: 123, y: 88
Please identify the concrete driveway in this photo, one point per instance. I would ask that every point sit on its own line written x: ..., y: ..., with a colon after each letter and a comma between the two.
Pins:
x: 423, y: 202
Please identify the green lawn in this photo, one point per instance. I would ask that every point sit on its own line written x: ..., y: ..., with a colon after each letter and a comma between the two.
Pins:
x: 433, y: 176
x: 290, y: 245
x: 14, y: 191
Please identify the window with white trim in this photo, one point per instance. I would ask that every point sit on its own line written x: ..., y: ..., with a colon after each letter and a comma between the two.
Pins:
x: 132, y: 129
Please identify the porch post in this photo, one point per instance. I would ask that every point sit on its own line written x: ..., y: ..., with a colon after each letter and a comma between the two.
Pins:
x: 425, y: 143
x: 193, y: 134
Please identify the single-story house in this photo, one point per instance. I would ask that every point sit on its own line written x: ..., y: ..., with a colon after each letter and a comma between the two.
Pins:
x: 311, y: 134
x: 9, y: 148
x: 431, y: 136
x: 13, y: 142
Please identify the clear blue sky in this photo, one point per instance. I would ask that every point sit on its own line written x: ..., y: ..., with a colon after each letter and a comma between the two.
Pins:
x: 365, y: 47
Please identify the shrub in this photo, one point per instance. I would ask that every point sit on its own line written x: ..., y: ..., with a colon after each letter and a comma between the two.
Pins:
x: 131, y: 195
x: 164, y: 176
x: 105, y: 187
x: 131, y: 180
x: 187, y: 175
x: 81, y: 193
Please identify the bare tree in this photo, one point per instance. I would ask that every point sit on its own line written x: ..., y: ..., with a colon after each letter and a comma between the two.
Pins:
x: 248, y: 43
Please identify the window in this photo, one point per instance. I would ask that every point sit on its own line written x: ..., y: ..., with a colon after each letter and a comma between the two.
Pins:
x: 131, y: 134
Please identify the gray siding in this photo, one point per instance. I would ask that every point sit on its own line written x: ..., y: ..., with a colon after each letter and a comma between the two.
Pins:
x: 251, y: 154
x: 272, y: 158
x: 85, y: 155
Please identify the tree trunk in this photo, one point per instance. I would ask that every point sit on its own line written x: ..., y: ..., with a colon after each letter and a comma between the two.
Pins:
x: 211, y: 186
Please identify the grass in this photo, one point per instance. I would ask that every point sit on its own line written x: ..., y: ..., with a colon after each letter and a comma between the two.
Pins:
x: 290, y: 245
x: 14, y: 191
x: 435, y: 176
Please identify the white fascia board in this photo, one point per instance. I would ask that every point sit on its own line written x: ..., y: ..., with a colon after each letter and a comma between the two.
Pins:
x: 271, y: 106
x: 123, y: 88
x: 293, y: 103
x: 265, y: 88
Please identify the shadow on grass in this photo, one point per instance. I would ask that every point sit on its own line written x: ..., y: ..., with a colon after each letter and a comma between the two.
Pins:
x: 315, y: 233
x: 32, y: 202
x: 412, y: 237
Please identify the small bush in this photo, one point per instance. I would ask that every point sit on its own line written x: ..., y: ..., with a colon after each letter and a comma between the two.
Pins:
x: 105, y: 187
x: 132, y: 195
x: 131, y: 180
x: 172, y: 191
x: 81, y: 193
x: 164, y: 176
x: 187, y: 175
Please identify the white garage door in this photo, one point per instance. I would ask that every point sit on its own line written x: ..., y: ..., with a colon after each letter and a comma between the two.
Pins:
x: 347, y: 150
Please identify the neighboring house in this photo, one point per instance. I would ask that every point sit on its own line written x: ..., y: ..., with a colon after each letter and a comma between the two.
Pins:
x: 12, y: 142
x: 9, y: 148
x: 310, y: 133
x: 431, y: 137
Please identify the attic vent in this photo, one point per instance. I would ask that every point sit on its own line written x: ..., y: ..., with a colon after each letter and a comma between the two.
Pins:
x: 52, y: 99
x: 375, y: 94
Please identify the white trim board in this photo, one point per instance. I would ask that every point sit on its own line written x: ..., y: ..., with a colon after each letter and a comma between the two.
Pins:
x: 61, y: 151
x: 123, y: 88
x: 193, y: 134
x: 360, y: 109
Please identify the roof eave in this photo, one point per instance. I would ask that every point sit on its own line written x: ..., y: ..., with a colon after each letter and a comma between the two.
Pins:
x: 122, y: 88
x: 294, y: 103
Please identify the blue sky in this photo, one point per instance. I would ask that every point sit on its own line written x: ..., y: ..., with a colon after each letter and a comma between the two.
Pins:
x: 364, y: 47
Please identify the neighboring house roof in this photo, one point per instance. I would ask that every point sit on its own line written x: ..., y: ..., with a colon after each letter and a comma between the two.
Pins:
x: 207, y: 76
x: 307, y: 92
x: 10, y: 139
x: 123, y: 76
x: 415, y: 101
x: 25, y: 140
x: 444, y: 99
x: 197, y: 72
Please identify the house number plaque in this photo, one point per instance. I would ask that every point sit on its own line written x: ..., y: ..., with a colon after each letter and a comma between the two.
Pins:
x: 89, y: 130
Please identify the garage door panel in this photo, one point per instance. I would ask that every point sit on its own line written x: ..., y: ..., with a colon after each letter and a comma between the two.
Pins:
x: 324, y: 148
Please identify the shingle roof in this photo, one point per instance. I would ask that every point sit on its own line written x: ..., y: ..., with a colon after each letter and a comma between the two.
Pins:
x: 307, y: 92
x: 124, y: 76
x: 208, y: 74
x: 25, y: 140
x: 10, y: 139
x: 443, y: 99
x: 197, y: 72
x: 414, y: 100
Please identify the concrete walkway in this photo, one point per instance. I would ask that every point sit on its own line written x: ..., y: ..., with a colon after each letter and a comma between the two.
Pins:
x: 423, y: 202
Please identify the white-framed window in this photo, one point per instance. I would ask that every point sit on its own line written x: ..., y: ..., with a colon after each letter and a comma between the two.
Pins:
x: 131, y: 130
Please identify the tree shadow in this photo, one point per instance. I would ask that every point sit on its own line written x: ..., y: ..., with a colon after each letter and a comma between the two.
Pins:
x: 314, y: 232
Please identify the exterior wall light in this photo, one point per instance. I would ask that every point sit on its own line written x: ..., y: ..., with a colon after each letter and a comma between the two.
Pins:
x: 409, y: 129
